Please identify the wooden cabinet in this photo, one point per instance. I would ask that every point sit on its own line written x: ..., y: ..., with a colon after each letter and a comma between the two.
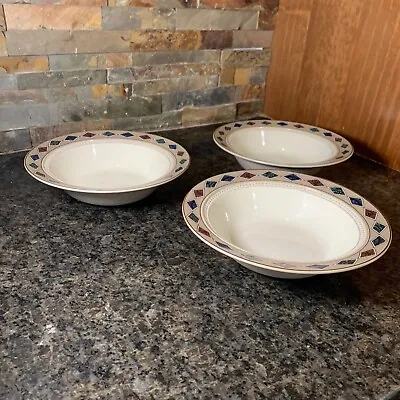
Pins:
x: 336, y: 63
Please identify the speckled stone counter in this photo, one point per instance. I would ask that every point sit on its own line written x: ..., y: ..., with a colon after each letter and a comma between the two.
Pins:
x: 126, y: 303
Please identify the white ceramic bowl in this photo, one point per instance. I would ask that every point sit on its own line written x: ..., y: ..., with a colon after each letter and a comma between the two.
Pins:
x: 107, y: 168
x: 286, y: 225
x: 259, y: 144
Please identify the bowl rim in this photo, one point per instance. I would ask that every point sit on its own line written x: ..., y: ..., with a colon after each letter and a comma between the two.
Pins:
x: 344, y: 148
x: 33, y: 161
x: 379, y: 231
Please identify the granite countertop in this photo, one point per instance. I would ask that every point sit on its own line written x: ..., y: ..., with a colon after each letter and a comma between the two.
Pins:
x: 113, y: 303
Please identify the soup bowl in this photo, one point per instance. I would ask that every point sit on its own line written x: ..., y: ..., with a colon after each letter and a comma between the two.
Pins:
x: 286, y: 225
x: 107, y: 167
x: 259, y: 144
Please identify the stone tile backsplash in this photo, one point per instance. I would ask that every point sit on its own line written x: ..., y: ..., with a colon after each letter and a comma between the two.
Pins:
x: 73, y: 65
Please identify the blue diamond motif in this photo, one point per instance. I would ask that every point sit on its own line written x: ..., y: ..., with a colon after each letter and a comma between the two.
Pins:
x: 356, y: 201
x: 378, y: 227
x: 178, y: 169
x: 327, y: 134
x: 35, y: 157
x: 172, y: 146
x: 337, y: 190
x: 194, y: 217
x: 318, y: 266
x: 293, y: 177
x: 108, y: 133
x: 210, y: 184
x: 282, y: 124
x: 127, y: 134
x: 378, y: 240
x: 227, y: 178
x: 269, y: 174
x: 70, y: 137
x: 237, y: 125
x: 192, y: 204
x: 223, y: 245
x: 347, y: 262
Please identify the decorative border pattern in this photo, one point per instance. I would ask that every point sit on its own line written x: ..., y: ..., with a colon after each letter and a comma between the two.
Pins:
x: 344, y: 147
x: 379, y: 231
x: 34, y: 158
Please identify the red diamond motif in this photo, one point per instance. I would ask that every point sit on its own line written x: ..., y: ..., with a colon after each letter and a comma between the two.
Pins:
x: 370, y: 213
x: 145, y: 137
x: 316, y: 182
x: 180, y: 153
x: 42, y: 149
x: 198, y: 193
x: 203, y: 231
x: 367, y: 253
x: 89, y: 134
x: 247, y: 175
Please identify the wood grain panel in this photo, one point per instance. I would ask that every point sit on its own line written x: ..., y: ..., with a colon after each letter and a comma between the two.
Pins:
x: 336, y: 63
x: 289, y: 42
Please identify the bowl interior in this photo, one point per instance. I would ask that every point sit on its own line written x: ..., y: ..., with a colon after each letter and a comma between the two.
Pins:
x: 109, y: 164
x: 281, y: 145
x: 284, y: 223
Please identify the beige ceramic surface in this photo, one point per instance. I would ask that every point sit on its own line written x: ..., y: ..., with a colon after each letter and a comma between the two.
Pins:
x: 286, y: 225
x: 258, y: 144
x: 107, y: 167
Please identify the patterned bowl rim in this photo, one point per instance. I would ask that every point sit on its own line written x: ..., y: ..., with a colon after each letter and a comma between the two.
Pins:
x: 33, y: 161
x: 344, y: 147
x: 379, y: 233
